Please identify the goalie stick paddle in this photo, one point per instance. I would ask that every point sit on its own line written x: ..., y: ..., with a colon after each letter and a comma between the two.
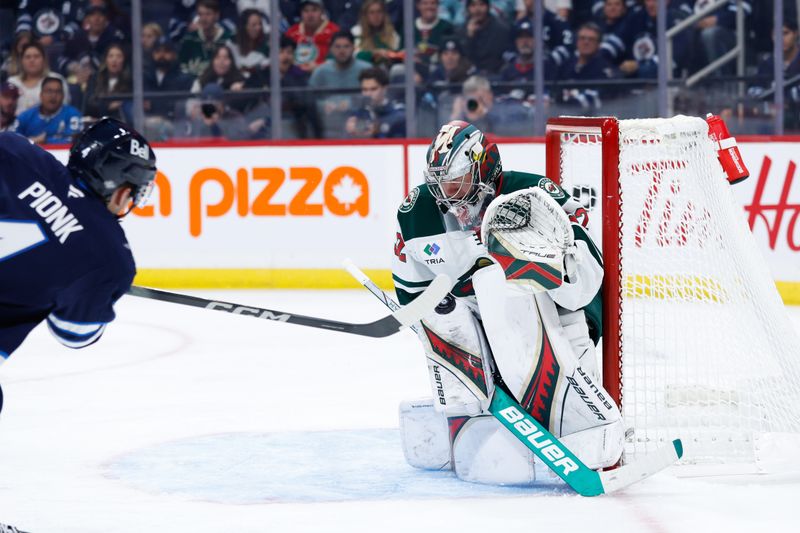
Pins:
x: 545, y: 445
x: 384, y: 327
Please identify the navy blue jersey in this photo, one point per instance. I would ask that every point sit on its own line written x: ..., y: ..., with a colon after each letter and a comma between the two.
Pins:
x: 63, y: 256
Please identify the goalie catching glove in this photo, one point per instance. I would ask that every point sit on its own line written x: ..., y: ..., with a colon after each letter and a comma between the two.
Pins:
x: 530, y: 235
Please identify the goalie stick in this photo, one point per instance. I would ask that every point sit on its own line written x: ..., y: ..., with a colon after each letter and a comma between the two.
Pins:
x: 7, y: 528
x: 541, y: 442
x: 384, y: 327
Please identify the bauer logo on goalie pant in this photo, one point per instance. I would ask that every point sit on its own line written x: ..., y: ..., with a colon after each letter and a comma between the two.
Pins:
x: 250, y: 311
x: 527, y: 430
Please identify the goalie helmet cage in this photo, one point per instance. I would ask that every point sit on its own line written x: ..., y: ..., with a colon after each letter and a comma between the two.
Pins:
x: 696, y: 341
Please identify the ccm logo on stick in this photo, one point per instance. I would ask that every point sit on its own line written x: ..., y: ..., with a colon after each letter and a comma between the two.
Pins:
x: 251, y: 311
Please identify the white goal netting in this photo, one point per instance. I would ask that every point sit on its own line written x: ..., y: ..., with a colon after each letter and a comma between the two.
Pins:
x: 708, y: 353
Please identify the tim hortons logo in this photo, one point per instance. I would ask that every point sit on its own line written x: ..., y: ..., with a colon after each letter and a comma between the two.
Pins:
x: 674, y: 222
x: 758, y: 210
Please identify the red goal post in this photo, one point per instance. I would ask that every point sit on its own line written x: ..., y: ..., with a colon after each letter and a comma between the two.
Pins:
x: 606, y: 131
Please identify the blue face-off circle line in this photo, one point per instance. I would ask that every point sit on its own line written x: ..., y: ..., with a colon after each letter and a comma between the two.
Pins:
x: 295, y: 467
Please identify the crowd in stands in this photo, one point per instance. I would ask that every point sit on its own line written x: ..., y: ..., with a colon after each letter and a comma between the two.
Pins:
x: 341, y: 63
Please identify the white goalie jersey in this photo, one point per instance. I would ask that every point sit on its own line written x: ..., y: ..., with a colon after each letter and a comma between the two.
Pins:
x: 526, y: 305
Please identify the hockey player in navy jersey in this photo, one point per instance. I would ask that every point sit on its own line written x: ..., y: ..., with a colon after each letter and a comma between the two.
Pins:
x: 526, y: 303
x: 64, y: 258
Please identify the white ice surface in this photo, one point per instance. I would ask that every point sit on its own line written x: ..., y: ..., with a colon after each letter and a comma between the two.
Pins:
x: 187, y: 420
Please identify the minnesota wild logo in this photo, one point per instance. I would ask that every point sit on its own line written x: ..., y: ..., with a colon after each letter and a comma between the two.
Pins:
x: 552, y: 189
x: 410, y: 200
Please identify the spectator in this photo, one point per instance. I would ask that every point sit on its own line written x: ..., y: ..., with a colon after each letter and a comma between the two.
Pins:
x: 452, y: 69
x: 165, y: 76
x: 520, y: 69
x: 34, y: 70
x: 223, y: 72
x: 197, y: 46
x: 295, y: 104
x: 502, y: 116
x: 717, y: 31
x: 185, y: 17
x: 288, y: 13
x: 454, y: 12
x: 614, y: 22
x: 562, y: 8
x: 49, y: 21
x: 643, y: 49
x: 430, y: 31
x: 52, y: 121
x: 251, y: 46
x: 151, y: 33
x: 211, y: 118
x: 764, y: 87
x: 475, y: 103
x: 96, y: 35
x: 377, y: 42
x: 78, y: 81
x: 9, y: 94
x: 117, y: 16
x: 485, y: 37
x: 113, y: 77
x: 12, y: 66
x: 296, y: 107
x: 343, y: 12
x: 340, y: 72
x: 313, y: 35
x: 557, y: 33
x: 379, y: 117
x: 588, y: 64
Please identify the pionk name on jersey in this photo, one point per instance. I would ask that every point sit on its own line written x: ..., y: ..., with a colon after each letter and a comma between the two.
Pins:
x: 50, y: 207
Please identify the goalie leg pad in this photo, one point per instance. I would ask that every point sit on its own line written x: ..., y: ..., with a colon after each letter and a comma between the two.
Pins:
x: 424, y: 435
x: 510, y: 319
x: 485, y: 452
x: 457, y: 354
x: 597, y: 447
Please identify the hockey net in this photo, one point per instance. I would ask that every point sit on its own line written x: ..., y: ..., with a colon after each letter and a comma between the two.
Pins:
x: 697, y: 343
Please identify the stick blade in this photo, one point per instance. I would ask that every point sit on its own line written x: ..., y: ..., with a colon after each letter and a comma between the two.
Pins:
x: 424, y: 304
x: 643, y: 468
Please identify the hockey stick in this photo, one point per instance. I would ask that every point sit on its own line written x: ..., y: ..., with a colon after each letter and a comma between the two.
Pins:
x: 545, y: 445
x: 384, y: 327
x: 7, y: 528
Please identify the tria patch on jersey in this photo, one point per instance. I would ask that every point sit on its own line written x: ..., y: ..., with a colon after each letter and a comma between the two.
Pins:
x: 52, y: 210
x: 410, y: 200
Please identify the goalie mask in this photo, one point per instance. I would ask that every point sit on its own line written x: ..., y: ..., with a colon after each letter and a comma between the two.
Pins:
x: 462, y: 166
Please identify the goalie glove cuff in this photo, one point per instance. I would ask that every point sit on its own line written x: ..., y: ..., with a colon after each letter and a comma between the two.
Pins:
x: 571, y: 261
